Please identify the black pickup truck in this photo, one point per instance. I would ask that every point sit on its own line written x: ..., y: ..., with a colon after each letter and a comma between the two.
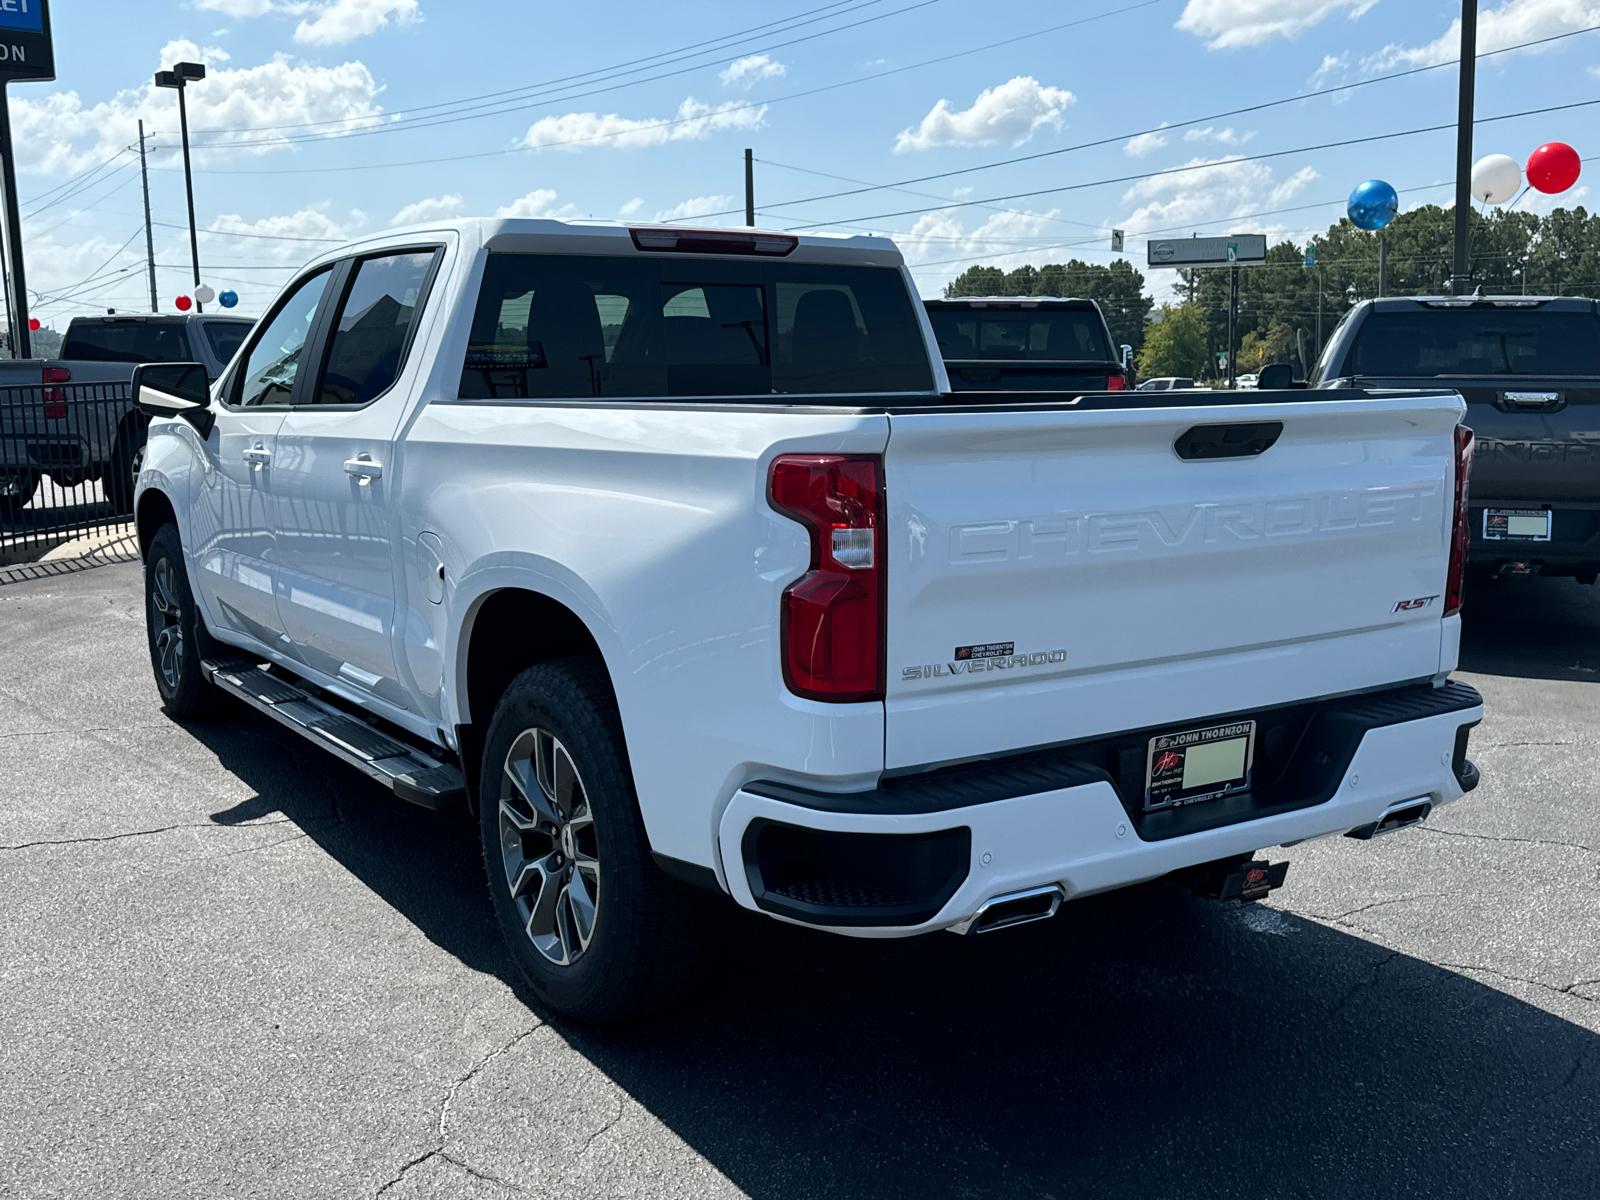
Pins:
x: 1026, y: 343
x: 1529, y: 369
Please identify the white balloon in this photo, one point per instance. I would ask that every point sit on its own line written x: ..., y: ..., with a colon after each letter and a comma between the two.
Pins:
x: 1496, y: 178
x: 205, y: 295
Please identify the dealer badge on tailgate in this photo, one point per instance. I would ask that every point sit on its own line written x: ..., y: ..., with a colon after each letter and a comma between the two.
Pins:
x: 1198, y: 764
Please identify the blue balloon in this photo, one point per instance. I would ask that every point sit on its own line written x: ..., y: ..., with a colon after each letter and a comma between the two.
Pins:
x: 228, y: 299
x: 1373, y: 205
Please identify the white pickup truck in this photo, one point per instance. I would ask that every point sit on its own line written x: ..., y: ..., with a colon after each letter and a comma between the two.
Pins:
x: 669, y: 554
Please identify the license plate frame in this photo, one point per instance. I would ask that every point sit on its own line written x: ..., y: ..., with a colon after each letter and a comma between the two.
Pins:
x: 1517, y: 524
x: 1175, y: 777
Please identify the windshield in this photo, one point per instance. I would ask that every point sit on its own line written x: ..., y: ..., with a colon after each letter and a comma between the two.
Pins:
x: 575, y: 326
x: 226, y: 337
x: 1019, y: 333
x: 127, y: 342
x: 1470, y: 341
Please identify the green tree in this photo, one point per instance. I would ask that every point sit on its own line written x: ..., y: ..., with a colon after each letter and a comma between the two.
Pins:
x: 1176, y: 344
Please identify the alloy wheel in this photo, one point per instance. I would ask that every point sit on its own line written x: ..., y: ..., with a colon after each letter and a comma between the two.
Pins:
x: 169, y: 642
x: 547, y: 845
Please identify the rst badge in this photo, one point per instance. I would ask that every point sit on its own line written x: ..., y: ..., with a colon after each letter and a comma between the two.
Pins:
x: 1413, y: 605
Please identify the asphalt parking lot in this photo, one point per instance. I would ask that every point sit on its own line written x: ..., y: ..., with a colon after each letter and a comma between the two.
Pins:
x: 231, y: 966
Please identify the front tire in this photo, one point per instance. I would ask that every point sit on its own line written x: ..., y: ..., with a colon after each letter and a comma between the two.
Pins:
x: 597, y: 930
x: 177, y: 634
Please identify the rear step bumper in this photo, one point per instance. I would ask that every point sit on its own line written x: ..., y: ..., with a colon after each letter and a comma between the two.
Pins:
x: 411, y: 774
x: 791, y: 854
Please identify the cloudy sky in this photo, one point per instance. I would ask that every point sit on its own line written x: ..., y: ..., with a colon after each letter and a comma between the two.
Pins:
x: 1015, y: 131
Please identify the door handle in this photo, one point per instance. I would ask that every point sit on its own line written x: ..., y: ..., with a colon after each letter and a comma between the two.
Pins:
x: 259, y: 455
x: 364, y: 467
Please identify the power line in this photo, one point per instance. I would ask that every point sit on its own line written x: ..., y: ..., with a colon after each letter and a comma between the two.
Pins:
x: 1225, y: 162
x: 419, y: 162
x: 1169, y: 126
x: 395, y: 126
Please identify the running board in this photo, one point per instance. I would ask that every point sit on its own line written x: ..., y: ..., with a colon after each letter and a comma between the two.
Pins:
x: 411, y: 774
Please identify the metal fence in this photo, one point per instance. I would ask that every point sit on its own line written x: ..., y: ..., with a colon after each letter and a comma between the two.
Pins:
x: 69, y: 455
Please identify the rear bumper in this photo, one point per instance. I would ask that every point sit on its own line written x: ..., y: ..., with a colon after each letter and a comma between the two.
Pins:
x: 1573, y: 548
x: 1074, y: 832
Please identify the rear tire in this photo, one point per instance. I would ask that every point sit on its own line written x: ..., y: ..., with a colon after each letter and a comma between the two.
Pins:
x: 598, y: 931
x: 177, y: 633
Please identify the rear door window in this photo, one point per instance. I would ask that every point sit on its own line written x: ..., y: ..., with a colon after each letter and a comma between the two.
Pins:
x: 373, y: 329
x: 1473, y: 341
x: 577, y: 326
x: 127, y: 342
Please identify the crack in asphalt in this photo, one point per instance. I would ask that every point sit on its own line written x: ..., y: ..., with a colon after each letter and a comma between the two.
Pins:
x: 138, y: 833
x: 1343, y: 918
x: 1486, y: 837
x: 451, y: 1092
x: 1370, y: 981
x: 1569, y: 989
x: 86, y: 729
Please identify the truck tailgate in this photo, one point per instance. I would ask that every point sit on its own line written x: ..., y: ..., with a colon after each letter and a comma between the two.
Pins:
x: 1070, y: 571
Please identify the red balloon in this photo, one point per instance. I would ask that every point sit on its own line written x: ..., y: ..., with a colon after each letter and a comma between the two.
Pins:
x: 183, y: 303
x: 1553, y: 167
x: 33, y: 324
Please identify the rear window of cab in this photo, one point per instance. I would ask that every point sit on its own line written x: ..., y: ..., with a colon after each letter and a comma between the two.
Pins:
x: 587, y: 326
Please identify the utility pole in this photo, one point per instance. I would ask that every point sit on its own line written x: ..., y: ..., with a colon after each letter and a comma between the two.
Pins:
x: 1469, y: 62
x: 180, y: 75
x: 1233, y: 324
x: 16, y: 283
x: 749, y: 188
x: 1383, y: 264
x: 149, y: 237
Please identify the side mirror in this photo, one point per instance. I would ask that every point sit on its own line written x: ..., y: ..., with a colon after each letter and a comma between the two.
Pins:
x: 1127, y: 355
x: 175, y: 390
x: 1277, y: 377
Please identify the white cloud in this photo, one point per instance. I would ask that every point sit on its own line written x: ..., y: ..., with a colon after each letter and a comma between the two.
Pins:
x: 1227, y: 23
x: 1543, y: 205
x: 699, y: 206
x: 694, y: 122
x: 1142, y: 145
x: 438, y: 208
x: 1292, y: 186
x: 277, y: 238
x: 59, y: 133
x: 631, y: 207
x: 1008, y: 113
x: 752, y: 69
x: 346, y: 20
x: 1227, y: 137
x: 1206, y: 189
x: 1005, y: 239
x: 541, y: 202
x: 1513, y: 22
x: 237, y: 8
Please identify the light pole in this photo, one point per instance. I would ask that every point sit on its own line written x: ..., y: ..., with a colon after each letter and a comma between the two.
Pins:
x: 185, y: 73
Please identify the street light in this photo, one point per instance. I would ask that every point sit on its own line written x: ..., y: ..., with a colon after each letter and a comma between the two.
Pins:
x: 185, y: 73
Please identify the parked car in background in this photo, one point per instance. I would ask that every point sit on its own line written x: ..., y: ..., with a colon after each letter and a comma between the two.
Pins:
x: 1529, y: 369
x: 1165, y: 383
x: 1247, y: 382
x: 670, y: 556
x: 72, y: 417
x: 1028, y: 343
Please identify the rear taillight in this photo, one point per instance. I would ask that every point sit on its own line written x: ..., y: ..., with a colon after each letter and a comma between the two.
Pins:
x: 1461, y: 529
x: 55, y: 404
x: 57, y: 375
x: 833, y: 615
x: 1117, y: 383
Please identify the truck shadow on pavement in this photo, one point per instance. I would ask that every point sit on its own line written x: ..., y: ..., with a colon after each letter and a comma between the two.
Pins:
x: 1143, y: 1044
x: 1533, y: 628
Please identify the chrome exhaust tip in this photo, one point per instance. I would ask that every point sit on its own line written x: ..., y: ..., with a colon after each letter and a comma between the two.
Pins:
x: 1396, y: 816
x: 1013, y: 908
